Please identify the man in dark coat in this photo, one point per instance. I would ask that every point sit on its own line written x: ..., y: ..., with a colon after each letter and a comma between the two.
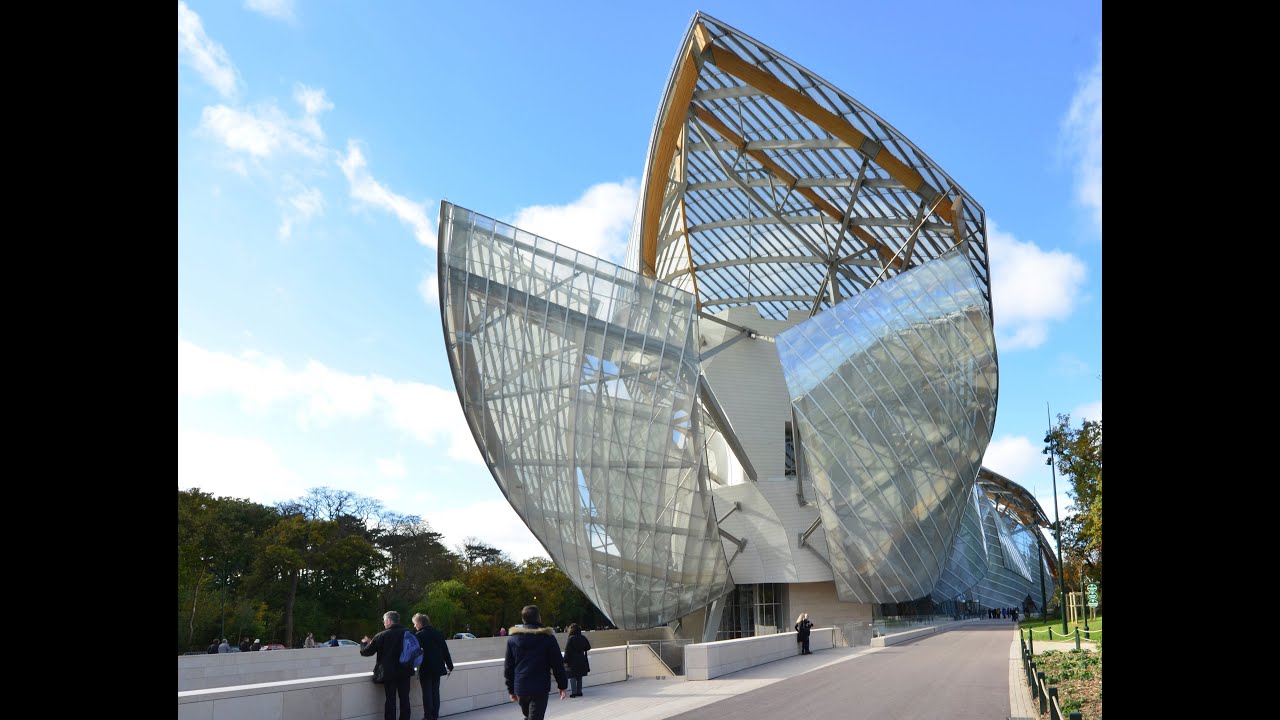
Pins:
x: 387, y: 645
x: 436, y: 661
x: 532, y: 653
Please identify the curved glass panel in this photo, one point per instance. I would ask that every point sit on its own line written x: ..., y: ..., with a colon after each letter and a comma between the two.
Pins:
x: 895, y: 391
x: 579, y: 381
x: 967, y: 564
x: 1015, y: 564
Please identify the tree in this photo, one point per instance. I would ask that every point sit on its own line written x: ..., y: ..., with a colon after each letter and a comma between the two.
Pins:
x: 416, y: 558
x: 1078, y: 453
x: 216, y: 537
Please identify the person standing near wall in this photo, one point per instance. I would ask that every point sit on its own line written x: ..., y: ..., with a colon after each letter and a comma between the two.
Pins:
x: 310, y: 642
x: 802, y: 633
x: 532, y: 653
x: 575, y: 659
x: 386, y: 646
x: 436, y: 661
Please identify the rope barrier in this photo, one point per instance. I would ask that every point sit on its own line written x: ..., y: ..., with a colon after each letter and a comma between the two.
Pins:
x: 1057, y: 635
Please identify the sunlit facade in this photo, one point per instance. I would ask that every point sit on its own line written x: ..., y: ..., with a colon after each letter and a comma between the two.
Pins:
x: 782, y: 400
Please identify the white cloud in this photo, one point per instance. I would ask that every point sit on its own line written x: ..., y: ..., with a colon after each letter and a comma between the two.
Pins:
x: 494, y: 522
x: 1082, y: 139
x: 365, y: 189
x: 278, y: 9
x: 260, y: 132
x: 313, y: 102
x: 241, y: 467
x: 304, y: 204
x: 596, y: 223
x: 318, y: 396
x: 392, y: 467
x: 208, y: 58
x: 1030, y: 288
x: 1088, y: 411
x: 429, y: 289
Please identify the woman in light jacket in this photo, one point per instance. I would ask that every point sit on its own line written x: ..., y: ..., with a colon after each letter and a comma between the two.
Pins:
x: 575, y: 659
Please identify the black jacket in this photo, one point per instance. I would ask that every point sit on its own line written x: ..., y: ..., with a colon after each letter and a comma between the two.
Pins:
x: 575, y: 655
x: 802, y: 628
x: 532, y: 653
x: 435, y: 652
x: 386, y: 645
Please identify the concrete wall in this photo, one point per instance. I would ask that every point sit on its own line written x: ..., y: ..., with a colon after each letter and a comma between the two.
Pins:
x: 472, y: 685
x: 705, y: 661
x: 851, y: 620
x: 201, y: 672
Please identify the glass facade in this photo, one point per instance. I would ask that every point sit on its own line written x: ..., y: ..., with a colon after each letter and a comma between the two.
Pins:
x: 753, y: 610
x: 1014, y: 563
x: 765, y: 188
x: 579, y: 380
x: 895, y: 393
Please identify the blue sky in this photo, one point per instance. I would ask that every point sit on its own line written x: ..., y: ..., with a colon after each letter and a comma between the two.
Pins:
x: 316, y: 140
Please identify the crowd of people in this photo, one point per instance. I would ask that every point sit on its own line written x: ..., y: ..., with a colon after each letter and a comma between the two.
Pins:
x: 533, y: 657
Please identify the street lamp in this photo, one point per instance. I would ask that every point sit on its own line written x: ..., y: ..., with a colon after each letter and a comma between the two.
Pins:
x: 1057, y: 524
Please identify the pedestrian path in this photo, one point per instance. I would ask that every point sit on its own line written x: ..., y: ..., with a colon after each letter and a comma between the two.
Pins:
x: 639, y: 699
x: 645, y: 699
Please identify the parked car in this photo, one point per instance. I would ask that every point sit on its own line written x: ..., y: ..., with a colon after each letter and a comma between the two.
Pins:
x: 342, y: 643
x: 273, y: 646
x: 463, y: 636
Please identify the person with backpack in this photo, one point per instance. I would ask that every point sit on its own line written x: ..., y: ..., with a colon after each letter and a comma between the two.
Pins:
x: 436, y: 661
x: 387, y: 646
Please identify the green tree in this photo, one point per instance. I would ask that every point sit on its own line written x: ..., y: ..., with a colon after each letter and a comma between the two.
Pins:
x: 1078, y: 452
x: 416, y: 558
x: 446, y: 605
x: 216, y: 539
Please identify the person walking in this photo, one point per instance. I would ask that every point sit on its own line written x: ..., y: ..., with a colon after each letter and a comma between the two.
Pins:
x: 386, y: 646
x: 436, y: 661
x: 802, y: 633
x: 575, y: 659
x: 532, y: 652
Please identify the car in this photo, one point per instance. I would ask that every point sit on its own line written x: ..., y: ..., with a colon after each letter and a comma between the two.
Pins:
x: 343, y: 643
x: 463, y: 636
x: 273, y: 646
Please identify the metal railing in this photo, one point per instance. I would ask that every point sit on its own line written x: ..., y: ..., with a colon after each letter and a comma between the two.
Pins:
x: 1046, y: 695
x: 670, y: 652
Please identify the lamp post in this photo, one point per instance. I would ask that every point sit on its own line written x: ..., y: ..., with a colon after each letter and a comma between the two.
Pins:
x: 1057, y: 524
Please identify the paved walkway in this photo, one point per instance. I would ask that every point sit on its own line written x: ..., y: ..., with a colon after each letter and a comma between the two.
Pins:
x: 954, y: 674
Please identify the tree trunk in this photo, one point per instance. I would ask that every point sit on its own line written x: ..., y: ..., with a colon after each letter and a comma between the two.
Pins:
x: 288, y: 609
x: 191, y: 623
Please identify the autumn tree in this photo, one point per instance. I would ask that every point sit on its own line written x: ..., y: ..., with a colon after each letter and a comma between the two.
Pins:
x: 1078, y: 456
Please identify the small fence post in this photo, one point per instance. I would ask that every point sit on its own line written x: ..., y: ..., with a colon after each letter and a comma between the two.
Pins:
x: 1031, y: 679
x: 1077, y: 638
x: 1050, y: 632
x: 1074, y: 716
x: 1031, y: 640
x: 1044, y: 696
x: 1054, y: 706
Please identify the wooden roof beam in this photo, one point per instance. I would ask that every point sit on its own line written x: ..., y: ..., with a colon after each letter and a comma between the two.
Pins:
x: 732, y: 63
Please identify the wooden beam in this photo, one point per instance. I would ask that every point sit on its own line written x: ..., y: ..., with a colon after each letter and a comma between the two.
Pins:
x: 669, y: 132
x: 733, y: 64
x: 710, y: 120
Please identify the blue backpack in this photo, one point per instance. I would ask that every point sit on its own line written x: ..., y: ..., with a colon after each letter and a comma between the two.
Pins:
x: 410, y: 654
